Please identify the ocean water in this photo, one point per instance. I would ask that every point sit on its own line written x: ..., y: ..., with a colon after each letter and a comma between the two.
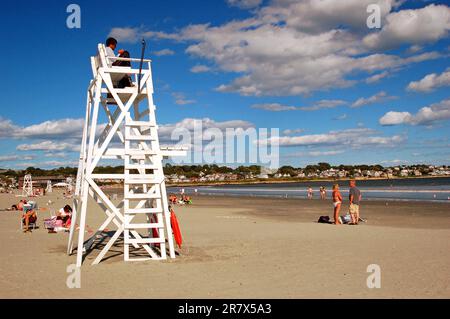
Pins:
x: 423, y: 189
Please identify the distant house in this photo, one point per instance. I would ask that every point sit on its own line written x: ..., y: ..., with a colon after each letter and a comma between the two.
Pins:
x: 404, y: 172
x: 342, y: 174
x: 231, y: 177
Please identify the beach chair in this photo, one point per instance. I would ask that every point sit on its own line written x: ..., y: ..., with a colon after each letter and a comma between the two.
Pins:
x: 49, y: 222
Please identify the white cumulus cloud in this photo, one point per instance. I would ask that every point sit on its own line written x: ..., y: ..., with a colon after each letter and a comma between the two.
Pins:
x: 180, y: 99
x: 430, y: 82
x: 296, y: 47
x: 357, y: 138
x: 425, y: 116
x: 377, y: 77
x: 414, y: 26
x: 52, y: 129
x: 274, y: 107
x: 377, y: 98
x: 319, y: 105
x: 244, y: 4
x: 48, y: 146
x: 164, y: 52
x: 198, y: 126
x: 200, y: 69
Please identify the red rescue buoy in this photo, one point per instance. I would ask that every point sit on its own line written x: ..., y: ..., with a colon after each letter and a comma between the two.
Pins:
x: 155, y: 232
x: 175, y: 228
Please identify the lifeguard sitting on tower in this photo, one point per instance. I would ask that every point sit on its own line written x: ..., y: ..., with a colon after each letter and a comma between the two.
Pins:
x: 122, y: 81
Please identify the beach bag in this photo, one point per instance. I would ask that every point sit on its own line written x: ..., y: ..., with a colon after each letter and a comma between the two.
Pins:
x: 346, y: 219
x: 324, y: 219
x: 53, y: 223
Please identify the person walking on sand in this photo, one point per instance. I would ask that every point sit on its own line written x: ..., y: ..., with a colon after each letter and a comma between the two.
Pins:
x: 337, y: 202
x: 354, y: 198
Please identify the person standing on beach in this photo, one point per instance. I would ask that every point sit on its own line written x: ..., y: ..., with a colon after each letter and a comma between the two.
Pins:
x: 355, y: 198
x: 310, y: 192
x: 323, y: 192
x: 337, y: 202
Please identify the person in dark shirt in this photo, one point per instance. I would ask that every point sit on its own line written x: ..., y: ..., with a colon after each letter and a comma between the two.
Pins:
x: 354, y: 198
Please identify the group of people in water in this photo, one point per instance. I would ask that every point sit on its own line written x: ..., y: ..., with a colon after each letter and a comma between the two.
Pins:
x: 322, y: 192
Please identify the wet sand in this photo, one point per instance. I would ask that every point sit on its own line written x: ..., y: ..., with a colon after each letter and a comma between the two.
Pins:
x: 244, y: 247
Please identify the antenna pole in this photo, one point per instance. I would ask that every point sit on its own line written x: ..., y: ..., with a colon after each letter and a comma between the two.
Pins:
x: 140, y: 65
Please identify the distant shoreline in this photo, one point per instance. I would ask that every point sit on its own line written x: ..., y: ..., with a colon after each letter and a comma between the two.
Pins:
x: 285, y: 181
x: 296, y: 180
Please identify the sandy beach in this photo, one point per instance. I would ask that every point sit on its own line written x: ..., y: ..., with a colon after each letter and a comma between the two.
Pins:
x: 244, y: 247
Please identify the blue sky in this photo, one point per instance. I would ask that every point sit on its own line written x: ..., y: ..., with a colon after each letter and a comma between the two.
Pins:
x: 338, y: 91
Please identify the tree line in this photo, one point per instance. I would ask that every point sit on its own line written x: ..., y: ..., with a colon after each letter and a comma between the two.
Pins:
x: 206, y: 169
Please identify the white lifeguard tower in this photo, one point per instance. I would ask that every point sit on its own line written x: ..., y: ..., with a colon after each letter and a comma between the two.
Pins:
x: 142, y: 218
x: 27, y: 188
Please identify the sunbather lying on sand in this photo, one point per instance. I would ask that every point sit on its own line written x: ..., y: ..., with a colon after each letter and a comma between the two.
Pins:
x: 19, y: 206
